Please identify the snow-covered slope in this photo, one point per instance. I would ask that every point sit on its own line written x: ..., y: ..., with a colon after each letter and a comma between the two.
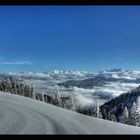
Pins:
x: 21, y: 115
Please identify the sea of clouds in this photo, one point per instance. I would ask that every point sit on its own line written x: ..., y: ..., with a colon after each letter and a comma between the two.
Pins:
x: 105, y: 93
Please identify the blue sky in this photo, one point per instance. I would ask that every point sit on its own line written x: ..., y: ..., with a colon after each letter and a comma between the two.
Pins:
x: 92, y: 38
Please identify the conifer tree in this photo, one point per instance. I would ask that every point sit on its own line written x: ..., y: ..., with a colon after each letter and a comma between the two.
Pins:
x: 132, y: 118
x: 125, y: 115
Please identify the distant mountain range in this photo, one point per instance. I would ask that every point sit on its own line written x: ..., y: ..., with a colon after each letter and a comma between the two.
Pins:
x: 81, y: 79
x: 53, y: 75
x: 70, y: 75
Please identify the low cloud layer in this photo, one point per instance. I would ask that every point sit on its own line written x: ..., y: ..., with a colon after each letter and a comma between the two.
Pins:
x: 17, y: 63
x: 105, y: 93
x: 86, y: 97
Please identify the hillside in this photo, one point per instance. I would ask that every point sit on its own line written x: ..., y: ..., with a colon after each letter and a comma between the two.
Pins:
x: 125, y: 108
x: 22, y: 115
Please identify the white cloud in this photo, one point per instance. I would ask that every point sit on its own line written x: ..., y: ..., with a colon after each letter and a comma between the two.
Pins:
x: 16, y: 63
x: 105, y: 93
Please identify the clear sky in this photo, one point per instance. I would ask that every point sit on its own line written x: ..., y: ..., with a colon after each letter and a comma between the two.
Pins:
x: 92, y: 38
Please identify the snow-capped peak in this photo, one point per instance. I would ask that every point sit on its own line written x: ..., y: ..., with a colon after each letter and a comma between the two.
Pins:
x: 112, y: 70
x: 57, y: 71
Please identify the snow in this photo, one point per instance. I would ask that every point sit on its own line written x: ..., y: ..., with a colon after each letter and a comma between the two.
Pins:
x: 22, y: 115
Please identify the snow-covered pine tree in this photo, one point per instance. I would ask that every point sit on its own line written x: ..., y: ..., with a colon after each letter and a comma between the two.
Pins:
x: 75, y: 106
x: 138, y: 111
x: 1, y: 87
x: 3, y: 84
x: 132, y: 118
x: 28, y: 93
x: 25, y: 90
x: 57, y: 99
x: 31, y: 91
x: 52, y: 99
x: 46, y: 98
x: 68, y: 103
x: 104, y: 113
x: 33, y: 94
x: 15, y: 87
x: 28, y: 88
x: 8, y: 85
x: 42, y: 97
x: 109, y: 116
x: 12, y: 85
x: 20, y: 89
x: 125, y: 115
x: 113, y: 117
x: 97, y: 107
x: 36, y: 96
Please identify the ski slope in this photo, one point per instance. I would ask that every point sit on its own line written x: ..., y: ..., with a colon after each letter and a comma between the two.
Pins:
x: 22, y: 115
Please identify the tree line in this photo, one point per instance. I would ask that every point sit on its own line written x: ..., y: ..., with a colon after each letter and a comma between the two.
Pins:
x: 124, y: 108
x: 20, y: 87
